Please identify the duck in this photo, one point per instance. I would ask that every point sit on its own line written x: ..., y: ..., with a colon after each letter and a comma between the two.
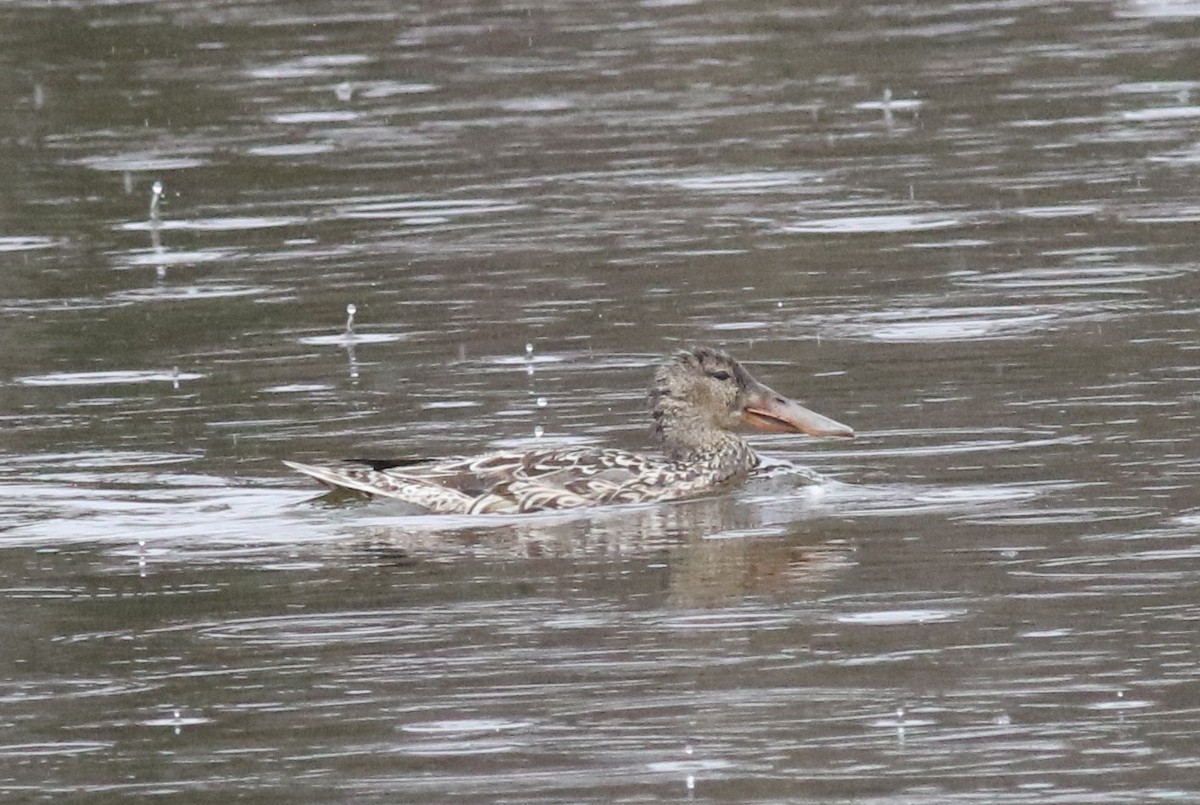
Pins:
x: 699, y: 401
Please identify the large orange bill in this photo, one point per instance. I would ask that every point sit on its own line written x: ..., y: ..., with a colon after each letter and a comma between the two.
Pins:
x: 770, y: 412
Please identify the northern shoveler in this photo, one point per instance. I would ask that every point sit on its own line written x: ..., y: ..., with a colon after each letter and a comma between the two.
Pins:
x: 698, y: 398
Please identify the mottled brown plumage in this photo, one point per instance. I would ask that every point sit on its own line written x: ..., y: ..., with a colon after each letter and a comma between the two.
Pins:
x: 698, y: 399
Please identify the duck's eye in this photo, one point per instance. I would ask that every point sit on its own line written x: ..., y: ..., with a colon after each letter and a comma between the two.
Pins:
x: 720, y: 375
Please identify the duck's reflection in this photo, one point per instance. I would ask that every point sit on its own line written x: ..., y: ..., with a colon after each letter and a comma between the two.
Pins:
x: 700, y: 553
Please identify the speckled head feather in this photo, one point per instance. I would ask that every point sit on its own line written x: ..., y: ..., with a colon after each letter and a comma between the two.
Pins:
x: 696, y: 401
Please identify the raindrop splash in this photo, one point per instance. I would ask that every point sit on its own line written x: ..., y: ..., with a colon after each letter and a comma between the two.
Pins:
x: 156, y: 194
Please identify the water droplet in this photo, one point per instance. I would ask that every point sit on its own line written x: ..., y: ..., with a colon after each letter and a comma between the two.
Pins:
x: 541, y: 402
x: 156, y: 193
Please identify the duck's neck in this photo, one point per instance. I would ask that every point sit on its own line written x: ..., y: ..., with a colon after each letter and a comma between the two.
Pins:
x: 693, y: 440
x: 718, y: 454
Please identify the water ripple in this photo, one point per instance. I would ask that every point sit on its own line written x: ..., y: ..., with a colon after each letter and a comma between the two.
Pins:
x: 55, y: 748
x: 876, y: 224
x: 124, y: 377
x: 308, y: 631
x: 1101, y: 278
x: 177, y: 293
x: 230, y: 223
x: 918, y: 323
x: 901, y: 617
x: 16, y: 243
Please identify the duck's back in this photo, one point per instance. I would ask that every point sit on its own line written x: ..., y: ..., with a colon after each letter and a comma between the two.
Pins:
x: 508, y: 482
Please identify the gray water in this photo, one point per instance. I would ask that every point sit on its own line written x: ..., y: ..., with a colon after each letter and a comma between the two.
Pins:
x: 968, y: 230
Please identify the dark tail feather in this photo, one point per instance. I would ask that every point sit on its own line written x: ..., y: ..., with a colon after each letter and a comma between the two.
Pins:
x: 380, y: 464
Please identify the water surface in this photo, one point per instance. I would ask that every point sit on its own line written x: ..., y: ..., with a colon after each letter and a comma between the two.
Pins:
x: 966, y: 230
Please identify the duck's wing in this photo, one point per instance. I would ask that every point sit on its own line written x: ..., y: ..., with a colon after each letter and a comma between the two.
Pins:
x: 425, y: 493
x: 536, y: 480
x: 503, y: 482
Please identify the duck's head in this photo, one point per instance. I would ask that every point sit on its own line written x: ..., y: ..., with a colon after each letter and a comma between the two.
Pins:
x: 700, y: 393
